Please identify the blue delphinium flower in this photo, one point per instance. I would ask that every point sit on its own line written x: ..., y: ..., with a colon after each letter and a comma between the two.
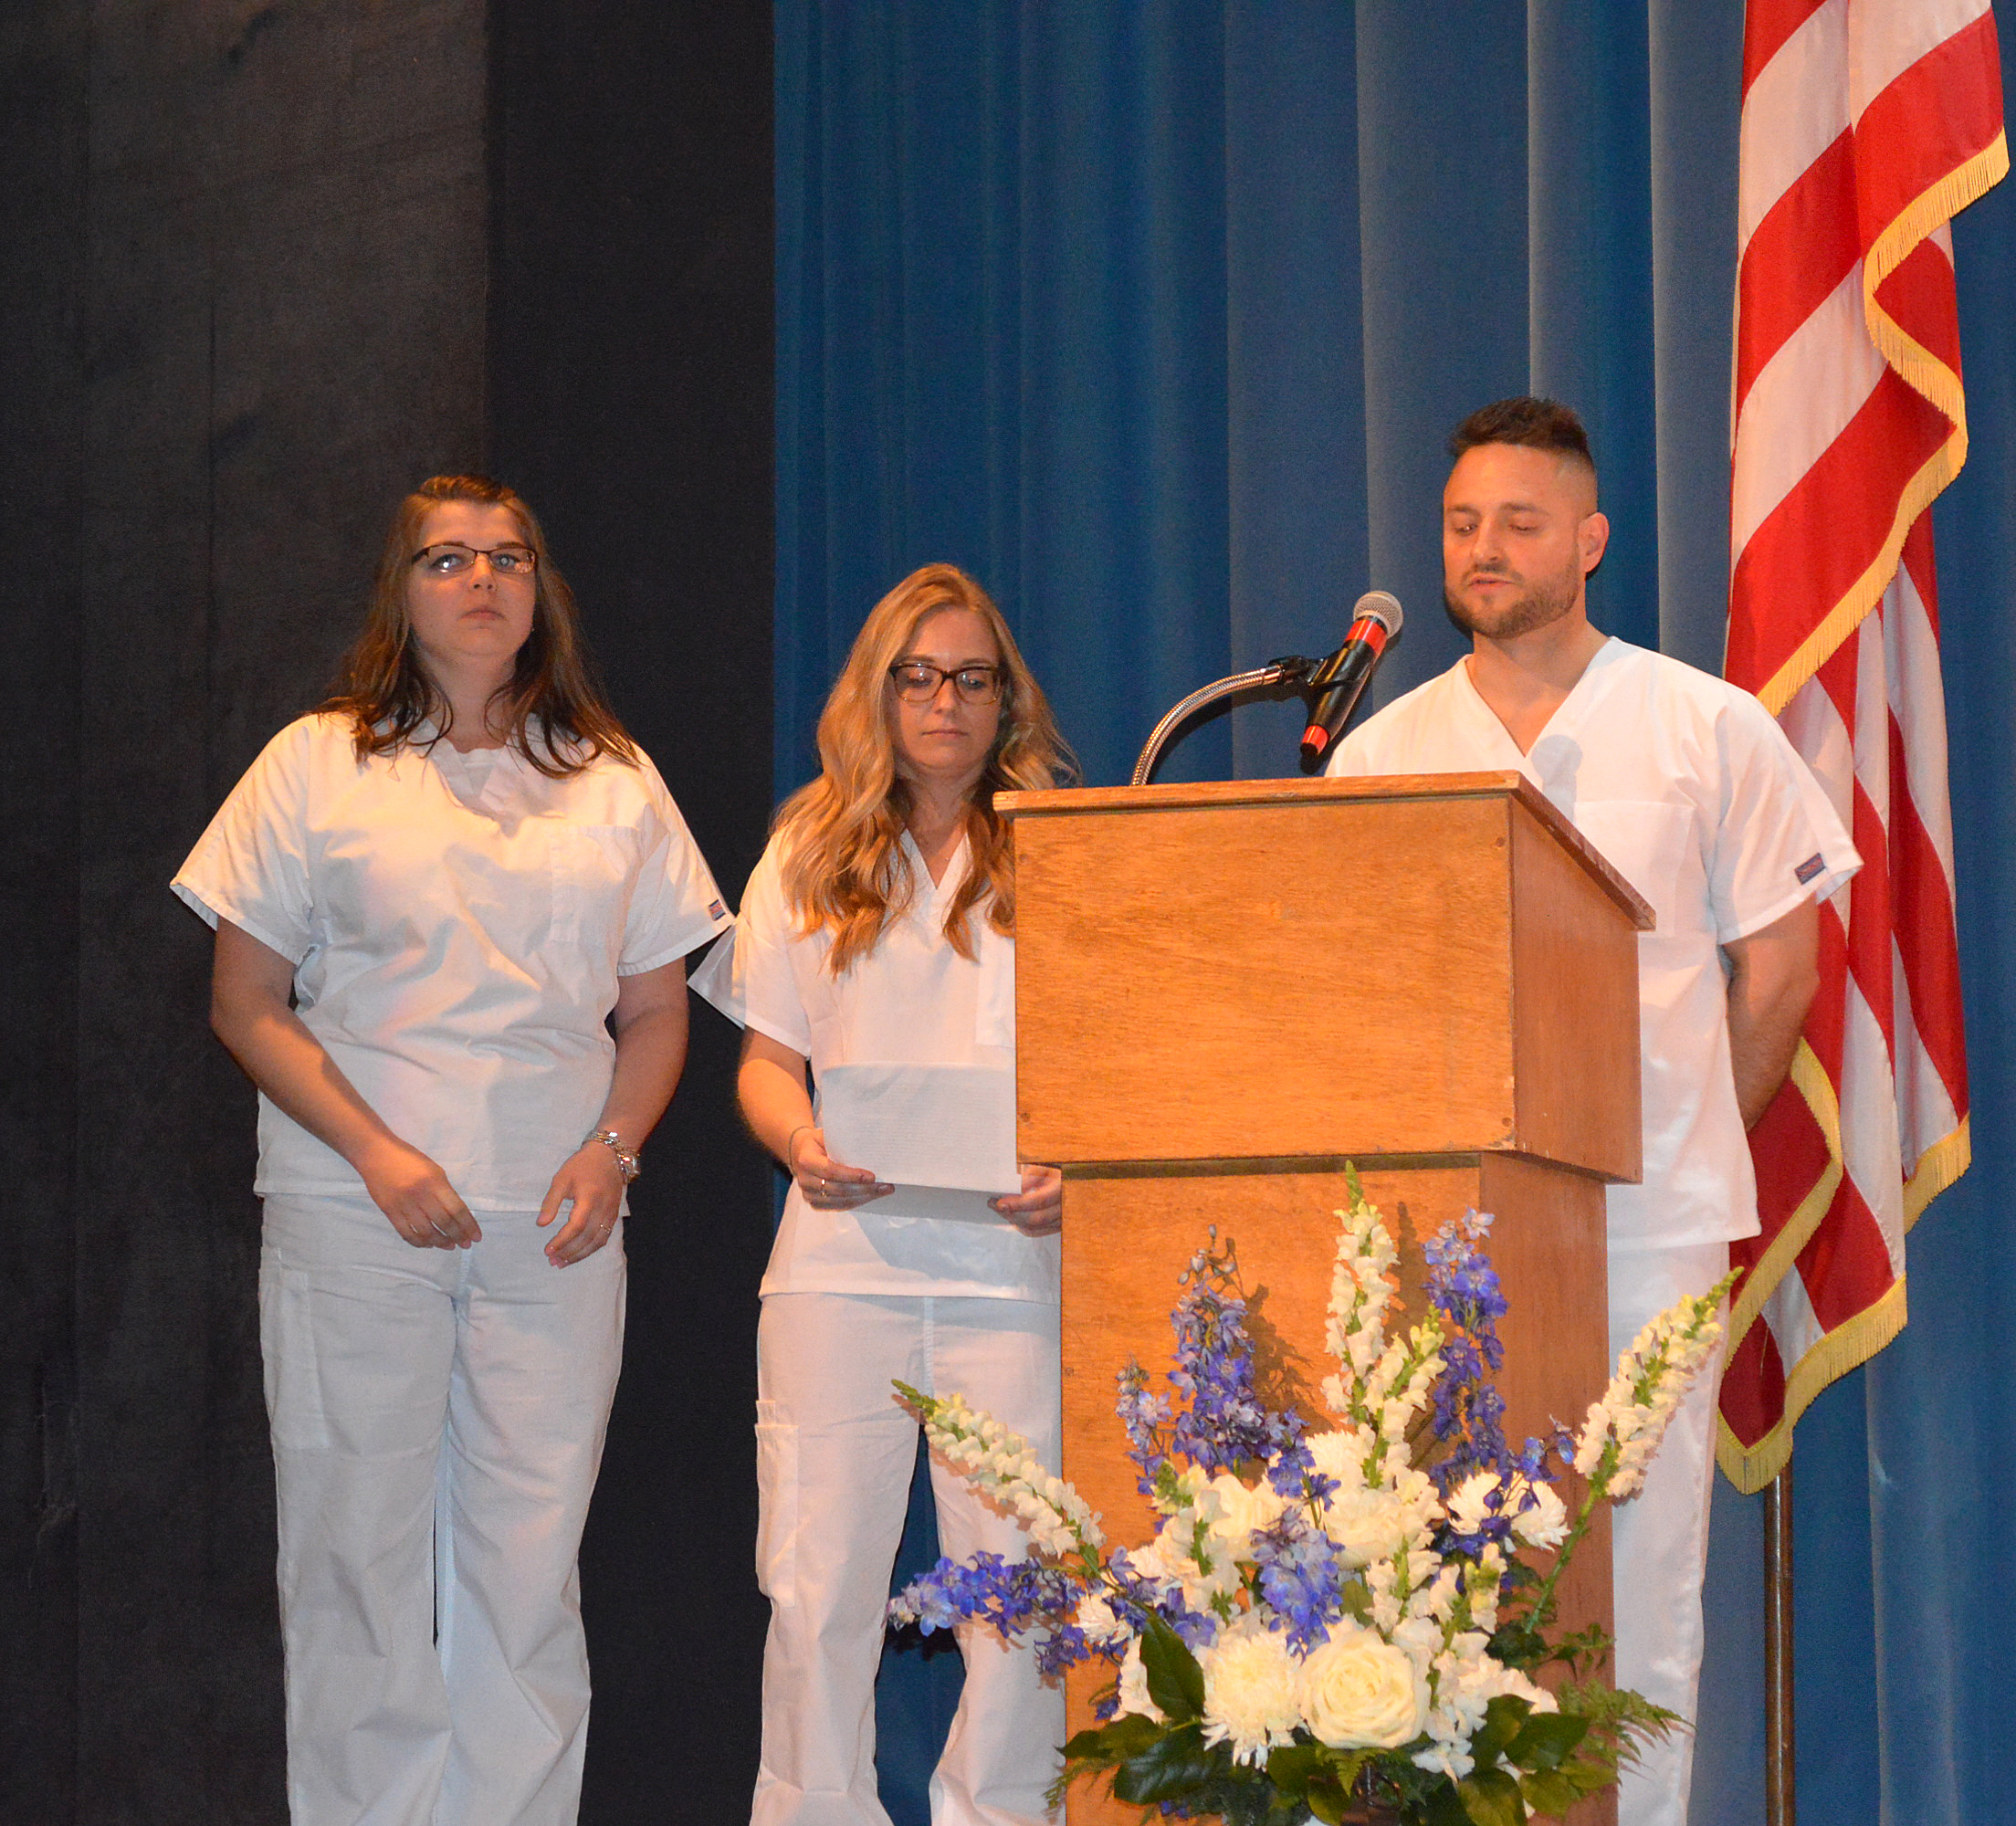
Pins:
x: 1223, y: 1424
x: 1145, y: 1416
x: 1012, y: 1597
x: 1301, y: 1577
x: 1469, y: 1412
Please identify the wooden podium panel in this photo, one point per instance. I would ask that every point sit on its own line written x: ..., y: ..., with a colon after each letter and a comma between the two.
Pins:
x: 1131, y: 1236
x: 1280, y: 967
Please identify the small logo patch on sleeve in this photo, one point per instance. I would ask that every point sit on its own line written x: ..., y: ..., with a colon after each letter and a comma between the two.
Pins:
x: 715, y: 910
x: 1808, y: 869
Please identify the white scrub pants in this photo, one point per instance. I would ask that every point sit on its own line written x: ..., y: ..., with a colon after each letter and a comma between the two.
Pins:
x: 835, y: 1454
x: 438, y: 1421
x: 1659, y: 1538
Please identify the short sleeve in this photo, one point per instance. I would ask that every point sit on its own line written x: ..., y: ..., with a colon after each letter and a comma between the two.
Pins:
x: 752, y: 976
x: 1778, y: 840
x: 675, y: 906
x: 251, y: 866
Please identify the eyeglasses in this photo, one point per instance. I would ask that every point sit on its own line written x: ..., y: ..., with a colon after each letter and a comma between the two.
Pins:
x: 918, y: 681
x: 452, y: 560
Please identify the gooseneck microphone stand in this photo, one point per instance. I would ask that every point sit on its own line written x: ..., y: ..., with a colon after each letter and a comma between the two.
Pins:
x: 1292, y: 670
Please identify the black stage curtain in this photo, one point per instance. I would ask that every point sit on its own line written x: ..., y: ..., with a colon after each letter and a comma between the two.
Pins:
x: 268, y: 265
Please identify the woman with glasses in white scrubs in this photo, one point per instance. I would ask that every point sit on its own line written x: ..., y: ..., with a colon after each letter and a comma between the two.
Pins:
x: 878, y: 931
x: 452, y: 909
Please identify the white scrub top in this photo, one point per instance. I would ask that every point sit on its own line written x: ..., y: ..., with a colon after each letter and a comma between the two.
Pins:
x: 456, y: 925
x: 1690, y: 789
x: 911, y: 1000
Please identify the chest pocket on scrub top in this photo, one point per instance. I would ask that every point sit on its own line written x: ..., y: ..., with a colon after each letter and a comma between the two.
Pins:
x: 594, y: 866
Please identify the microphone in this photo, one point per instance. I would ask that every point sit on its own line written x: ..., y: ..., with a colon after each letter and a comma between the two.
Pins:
x: 1341, y: 679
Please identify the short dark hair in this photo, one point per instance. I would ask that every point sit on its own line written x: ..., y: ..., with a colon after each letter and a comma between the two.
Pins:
x: 1537, y: 424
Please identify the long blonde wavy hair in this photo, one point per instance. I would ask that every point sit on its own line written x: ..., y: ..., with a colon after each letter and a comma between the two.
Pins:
x: 844, y: 870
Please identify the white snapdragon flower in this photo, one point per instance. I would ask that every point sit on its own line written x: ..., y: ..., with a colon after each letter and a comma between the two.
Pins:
x: 1482, y: 1581
x: 1361, y: 1289
x: 1421, y: 1638
x: 1000, y: 1462
x: 1433, y: 1597
x: 1383, y: 1587
x: 1466, y: 1681
x: 1652, y: 1376
x: 1252, y: 1692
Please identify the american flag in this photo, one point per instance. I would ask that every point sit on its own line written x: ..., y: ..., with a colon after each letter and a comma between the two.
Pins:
x: 1867, y: 125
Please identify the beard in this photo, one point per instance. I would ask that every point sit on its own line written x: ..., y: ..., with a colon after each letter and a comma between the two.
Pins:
x: 1538, y: 605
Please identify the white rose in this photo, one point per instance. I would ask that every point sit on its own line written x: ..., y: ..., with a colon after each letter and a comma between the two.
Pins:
x: 1241, y: 1511
x: 1251, y: 1699
x: 1360, y: 1691
x: 1134, y: 1694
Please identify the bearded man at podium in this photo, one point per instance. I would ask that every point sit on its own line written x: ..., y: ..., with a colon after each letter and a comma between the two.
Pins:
x: 1689, y: 788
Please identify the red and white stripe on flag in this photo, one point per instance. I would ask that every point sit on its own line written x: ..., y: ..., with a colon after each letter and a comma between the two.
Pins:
x: 1867, y: 125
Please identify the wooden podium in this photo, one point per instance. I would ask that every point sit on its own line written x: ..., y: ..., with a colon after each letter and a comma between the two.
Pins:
x: 1225, y: 992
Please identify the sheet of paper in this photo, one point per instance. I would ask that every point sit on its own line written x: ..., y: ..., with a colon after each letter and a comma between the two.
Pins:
x: 944, y: 1136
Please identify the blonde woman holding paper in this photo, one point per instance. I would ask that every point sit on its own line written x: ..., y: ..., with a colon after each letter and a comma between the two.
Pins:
x: 876, y: 952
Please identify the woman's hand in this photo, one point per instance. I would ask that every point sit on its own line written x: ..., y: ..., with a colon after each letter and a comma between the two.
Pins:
x: 250, y: 1010
x: 594, y: 1180
x: 416, y: 1196
x: 1037, y: 1210
x: 825, y: 1182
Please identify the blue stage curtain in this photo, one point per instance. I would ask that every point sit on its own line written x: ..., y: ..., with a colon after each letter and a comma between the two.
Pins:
x: 1155, y: 318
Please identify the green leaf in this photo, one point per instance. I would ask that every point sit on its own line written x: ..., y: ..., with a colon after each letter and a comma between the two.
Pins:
x: 1442, y: 1806
x: 1115, y: 1743
x: 1518, y: 1646
x: 1503, y: 1719
x: 1546, y: 1740
x: 1491, y: 1797
x: 1167, y: 1768
x: 1291, y: 1766
x: 1175, y: 1681
x: 1328, y: 1803
x: 1549, y: 1793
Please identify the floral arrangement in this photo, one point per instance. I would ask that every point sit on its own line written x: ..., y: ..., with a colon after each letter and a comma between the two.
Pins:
x: 1330, y: 1621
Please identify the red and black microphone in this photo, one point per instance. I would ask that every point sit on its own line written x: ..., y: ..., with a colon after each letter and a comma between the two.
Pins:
x: 1341, y: 679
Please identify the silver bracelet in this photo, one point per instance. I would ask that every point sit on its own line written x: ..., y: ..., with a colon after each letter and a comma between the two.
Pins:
x: 628, y: 1162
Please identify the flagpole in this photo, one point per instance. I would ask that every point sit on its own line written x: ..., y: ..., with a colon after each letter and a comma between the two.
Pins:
x: 1780, y: 1783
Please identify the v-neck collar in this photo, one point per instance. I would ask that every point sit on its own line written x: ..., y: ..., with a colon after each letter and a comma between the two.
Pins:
x: 1595, y: 679
x: 956, y: 865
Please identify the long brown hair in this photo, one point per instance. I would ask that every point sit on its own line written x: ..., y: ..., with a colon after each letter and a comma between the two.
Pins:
x: 844, y: 870
x: 554, y: 713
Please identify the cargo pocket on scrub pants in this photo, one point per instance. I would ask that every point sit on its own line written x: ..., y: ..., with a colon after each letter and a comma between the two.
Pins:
x: 293, y: 1369
x: 777, y: 1486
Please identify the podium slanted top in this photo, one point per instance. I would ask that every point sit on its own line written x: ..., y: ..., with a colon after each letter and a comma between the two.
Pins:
x: 1432, y: 966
